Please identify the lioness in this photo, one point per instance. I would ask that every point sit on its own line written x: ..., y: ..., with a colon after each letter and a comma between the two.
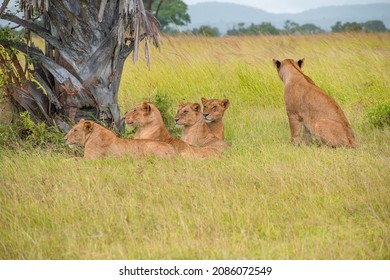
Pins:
x: 100, y: 142
x: 309, y: 106
x: 195, y: 130
x: 151, y: 126
x: 213, y: 111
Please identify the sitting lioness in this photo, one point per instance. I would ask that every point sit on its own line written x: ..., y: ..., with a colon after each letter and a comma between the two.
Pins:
x: 148, y: 119
x: 195, y: 130
x: 101, y: 142
x: 213, y: 111
x: 309, y: 106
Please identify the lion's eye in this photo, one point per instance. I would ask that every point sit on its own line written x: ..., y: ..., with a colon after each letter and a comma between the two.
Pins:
x: 185, y: 112
x: 214, y: 108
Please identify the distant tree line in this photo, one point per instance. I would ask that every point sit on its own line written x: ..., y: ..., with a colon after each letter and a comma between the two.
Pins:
x: 267, y: 28
x: 369, y: 26
x: 205, y: 30
x: 290, y: 27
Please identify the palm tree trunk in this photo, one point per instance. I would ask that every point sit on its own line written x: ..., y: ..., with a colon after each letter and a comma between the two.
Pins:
x: 85, y: 51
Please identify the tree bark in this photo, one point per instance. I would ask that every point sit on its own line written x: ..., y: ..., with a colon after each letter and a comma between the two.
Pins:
x: 85, y: 51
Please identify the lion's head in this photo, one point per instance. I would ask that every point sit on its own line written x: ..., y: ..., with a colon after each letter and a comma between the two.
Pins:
x: 79, y: 132
x: 142, y: 114
x: 280, y: 66
x: 213, y: 109
x: 188, y: 114
x: 285, y: 67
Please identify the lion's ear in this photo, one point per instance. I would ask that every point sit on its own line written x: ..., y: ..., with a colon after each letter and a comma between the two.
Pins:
x: 204, y: 100
x: 226, y: 103
x: 146, y: 106
x: 195, y: 107
x: 277, y: 63
x: 88, y: 126
x: 301, y: 62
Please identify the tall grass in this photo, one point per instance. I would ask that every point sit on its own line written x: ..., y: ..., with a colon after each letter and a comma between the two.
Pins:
x: 264, y: 199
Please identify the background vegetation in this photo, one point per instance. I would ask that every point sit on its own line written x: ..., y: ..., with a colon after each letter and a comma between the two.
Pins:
x: 173, y: 16
x: 263, y: 199
x: 291, y: 27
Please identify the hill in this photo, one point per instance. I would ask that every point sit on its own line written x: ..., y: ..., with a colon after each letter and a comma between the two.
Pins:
x: 226, y: 15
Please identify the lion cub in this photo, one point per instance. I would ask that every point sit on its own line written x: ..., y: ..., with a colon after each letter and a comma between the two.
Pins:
x: 148, y: 119
x: 99, y: 141
x: 213, y: 111
x: 195, y: 130
x: 309, y: 106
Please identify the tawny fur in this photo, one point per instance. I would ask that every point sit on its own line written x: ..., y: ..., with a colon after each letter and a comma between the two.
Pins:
x: 101, y: 142
x: 195, y: 130
x: 151, y: 126
x: 213, y: 111
x: 310, y: 108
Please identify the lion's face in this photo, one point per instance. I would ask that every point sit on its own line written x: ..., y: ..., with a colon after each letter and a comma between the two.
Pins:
x: 140, y: 115
x: 188, y: 114
x: 213, y: 109
x: 78, y: 134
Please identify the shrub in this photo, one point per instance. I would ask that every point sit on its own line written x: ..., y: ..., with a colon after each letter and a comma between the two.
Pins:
x: 23, y: 132
x: 164, y: 104
x: 206, y: 30
x: 379, y: 116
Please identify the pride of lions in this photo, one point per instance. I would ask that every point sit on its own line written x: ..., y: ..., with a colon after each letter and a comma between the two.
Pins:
x: 308, y: 108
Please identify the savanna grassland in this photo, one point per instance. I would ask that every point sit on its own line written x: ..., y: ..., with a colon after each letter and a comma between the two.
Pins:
x: 263, y: 199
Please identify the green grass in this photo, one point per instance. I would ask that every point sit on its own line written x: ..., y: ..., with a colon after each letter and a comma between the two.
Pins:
x: 264, y: 199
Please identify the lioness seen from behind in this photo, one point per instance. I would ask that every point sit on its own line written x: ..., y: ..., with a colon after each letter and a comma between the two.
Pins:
x: 310, y: 107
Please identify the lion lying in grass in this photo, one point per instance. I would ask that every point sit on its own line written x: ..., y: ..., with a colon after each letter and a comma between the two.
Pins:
x: 195, y: 130
x: 148, y: 119
x: 213, y: 111
x: 309, y: 106
x: 101, y: 142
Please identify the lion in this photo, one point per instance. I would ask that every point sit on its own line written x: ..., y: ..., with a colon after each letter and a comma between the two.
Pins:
x: 310, y: 107
x: 213, y: 111
x: 147, y: 117
x: 195, y: 130
x: 99, y: 141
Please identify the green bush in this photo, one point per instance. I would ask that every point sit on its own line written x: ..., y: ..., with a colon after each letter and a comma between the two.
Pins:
x: 164, y: 104
x: 379, y: 116
x: 23, y: 132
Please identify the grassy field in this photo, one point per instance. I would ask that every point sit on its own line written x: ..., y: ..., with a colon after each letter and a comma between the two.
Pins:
x: 264, y: 199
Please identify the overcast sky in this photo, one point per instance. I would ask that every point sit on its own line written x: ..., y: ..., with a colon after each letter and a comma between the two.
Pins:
x: 290, y: 6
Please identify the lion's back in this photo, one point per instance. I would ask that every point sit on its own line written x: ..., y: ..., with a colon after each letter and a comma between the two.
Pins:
x: 320, y: 105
